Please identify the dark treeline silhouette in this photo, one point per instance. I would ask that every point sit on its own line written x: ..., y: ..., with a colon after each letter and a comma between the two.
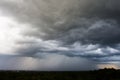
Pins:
x: 102, y: 74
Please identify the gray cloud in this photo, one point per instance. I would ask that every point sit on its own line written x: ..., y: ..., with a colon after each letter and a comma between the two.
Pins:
x: 79, y: 28
x: 87, y: 21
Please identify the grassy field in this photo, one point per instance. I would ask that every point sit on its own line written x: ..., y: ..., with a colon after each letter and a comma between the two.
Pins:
x: 105, y: 74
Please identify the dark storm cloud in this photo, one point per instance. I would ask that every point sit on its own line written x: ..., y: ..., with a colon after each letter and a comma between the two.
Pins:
x: 79, y: 28
x: 87, y: 21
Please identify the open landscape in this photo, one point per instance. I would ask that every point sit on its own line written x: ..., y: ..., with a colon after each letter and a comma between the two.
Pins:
x: 59, y: 39
x: 103, y: 74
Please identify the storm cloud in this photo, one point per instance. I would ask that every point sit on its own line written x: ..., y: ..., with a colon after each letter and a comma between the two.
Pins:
x: 86, y: 21
x: 81, y: 28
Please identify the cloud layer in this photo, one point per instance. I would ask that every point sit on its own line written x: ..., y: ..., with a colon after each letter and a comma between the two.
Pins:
x: 74, y: 29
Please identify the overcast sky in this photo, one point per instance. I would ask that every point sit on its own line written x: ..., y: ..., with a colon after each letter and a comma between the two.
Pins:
x: 59, y: 34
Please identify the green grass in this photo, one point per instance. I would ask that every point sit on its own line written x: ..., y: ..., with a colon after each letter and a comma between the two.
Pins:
x: 105, y: 74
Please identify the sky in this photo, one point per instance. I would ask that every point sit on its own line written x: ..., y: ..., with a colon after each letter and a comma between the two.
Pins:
x: 59, y: 35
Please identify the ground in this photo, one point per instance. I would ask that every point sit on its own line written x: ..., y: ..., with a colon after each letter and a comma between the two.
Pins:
x: 103, y: 74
